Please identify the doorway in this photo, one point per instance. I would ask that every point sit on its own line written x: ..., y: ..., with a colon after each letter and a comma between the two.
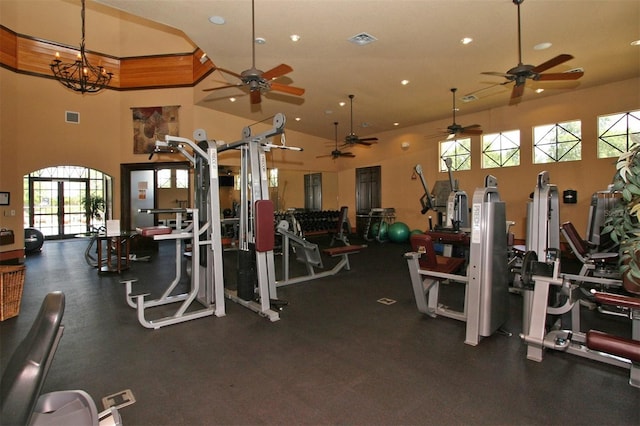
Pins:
x: 66, y: 200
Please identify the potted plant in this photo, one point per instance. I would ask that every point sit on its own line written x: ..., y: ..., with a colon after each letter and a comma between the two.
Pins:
x: 94, y: 205
x: 623, y: 223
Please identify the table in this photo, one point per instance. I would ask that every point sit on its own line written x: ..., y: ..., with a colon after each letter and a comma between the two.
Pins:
x: 117, y: 253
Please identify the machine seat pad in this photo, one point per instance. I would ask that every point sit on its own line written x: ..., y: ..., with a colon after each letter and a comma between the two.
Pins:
x: 150, y: 231
x: 429, y: 260
x: 618, y: 300
x: 339, y: 251
x: 614, y: 345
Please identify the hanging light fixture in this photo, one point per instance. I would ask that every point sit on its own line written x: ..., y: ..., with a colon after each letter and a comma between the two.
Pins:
x: 80, y: 75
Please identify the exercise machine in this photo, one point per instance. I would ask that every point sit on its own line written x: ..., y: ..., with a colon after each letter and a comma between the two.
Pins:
x: 256, y: 284
x: 457, y: 207
x: 206, y: 284
x: 21, y: 402
x: 619, y: 351
x: 486, y: 280
x: 308, y: 253
x: 378, y: 221
x: 549, y: 294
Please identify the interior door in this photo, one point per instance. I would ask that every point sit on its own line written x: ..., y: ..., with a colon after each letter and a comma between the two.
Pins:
x: 313, y: 191
x: 368, y: 194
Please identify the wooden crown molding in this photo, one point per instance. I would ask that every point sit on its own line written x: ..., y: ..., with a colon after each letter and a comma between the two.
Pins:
x: 32, y: 56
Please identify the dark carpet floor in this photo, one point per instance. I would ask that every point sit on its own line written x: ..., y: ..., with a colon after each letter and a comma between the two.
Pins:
x: 337, y: 356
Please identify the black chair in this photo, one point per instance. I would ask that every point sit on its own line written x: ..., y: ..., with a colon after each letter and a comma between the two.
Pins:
x: 26, y: 371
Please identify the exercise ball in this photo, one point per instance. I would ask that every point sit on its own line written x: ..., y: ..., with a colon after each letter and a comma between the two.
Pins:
x: 380, y: 230
x: 416, y: 232
x: 398, y: 232
x: 33, y: 240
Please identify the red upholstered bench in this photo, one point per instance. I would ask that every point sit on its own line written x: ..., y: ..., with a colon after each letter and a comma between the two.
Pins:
x: 339, y: 251
x: 615, y: 345
x: 429, y: 260
x: 150, y: 231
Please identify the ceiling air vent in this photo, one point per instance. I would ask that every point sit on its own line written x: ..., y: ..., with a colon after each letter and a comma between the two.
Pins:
x: 580, y: 69
x: 469, y: 98
x: 362, y: 39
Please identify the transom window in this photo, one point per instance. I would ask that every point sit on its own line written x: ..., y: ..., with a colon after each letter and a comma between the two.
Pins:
x: 617, y: 132
x: 557, y: 142
x: 173, y: 178
x: 501, y: 149
x: 459, y: 151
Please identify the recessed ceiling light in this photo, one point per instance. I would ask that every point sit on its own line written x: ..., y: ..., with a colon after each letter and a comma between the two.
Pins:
x: 294, y: 37
x: 396, y: 124
x: 342, y: 103
x: 635, y: 43
x: 404, y: 82
x: 539, y: 90
x: 218, y: 20
x: 466, y: 40
x: 542, y: 46
x: 260, y: 40
x: 232, y: 99
x: 298, y: 118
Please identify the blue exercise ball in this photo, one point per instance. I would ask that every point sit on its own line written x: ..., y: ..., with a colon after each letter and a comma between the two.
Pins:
x: 398, y: 232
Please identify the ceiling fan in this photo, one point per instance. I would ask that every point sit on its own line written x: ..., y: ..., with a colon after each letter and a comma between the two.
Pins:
x: 336, y: 153
x: 455, y: 129
x: 256, y: 80
x: 352, y: 138
x: 521, y: 72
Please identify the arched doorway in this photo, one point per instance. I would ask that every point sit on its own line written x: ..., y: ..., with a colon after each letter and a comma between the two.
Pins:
x: 63, y: 201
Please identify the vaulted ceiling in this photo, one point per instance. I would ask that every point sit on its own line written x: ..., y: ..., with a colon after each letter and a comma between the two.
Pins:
x: 416, y: 40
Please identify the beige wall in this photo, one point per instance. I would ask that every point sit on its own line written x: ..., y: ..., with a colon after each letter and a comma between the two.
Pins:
x: 33, y: 133
x: 514, y: 183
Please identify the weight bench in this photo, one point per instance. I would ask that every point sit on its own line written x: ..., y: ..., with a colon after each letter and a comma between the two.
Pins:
x: 308, y: 253
x: 24, y: 376
x: 427, y: 273
x: 616, y: 345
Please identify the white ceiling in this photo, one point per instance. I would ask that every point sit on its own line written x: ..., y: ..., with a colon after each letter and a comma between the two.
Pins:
x: 417, y: 40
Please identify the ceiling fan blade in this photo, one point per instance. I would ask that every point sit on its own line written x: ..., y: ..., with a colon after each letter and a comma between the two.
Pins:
x: 560, y: 76
x: 363, y: 142
x: 235, y: 74
x: 472, y: 131
x: 498, y: 74
x: 552, y: 63
x: 255, y: 97
x: 516, y: 94
x: 366, y: 139
x: 222, y: 87
x: 324, y: 156
x: 472, y: 126
x: 276, y: 72
x: 287, y: 89
x: 347, y: 154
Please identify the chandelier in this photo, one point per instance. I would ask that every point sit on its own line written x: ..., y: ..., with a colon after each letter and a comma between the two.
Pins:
x: 80, y: 75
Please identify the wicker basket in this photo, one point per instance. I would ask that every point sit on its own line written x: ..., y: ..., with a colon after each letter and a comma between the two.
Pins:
x: 11, y: 285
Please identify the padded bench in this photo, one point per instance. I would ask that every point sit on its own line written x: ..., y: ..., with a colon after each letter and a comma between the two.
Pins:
x: 339, y: 251
x: 429, y: 260
x: 615, y: 345
x: 150, y: 231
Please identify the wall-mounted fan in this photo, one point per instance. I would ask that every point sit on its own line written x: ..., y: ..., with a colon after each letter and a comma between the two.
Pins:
x: 336, y: 153
x: 521, y: 72
x: 256, y: 80
x: 352, y: 138
x: 456, y: 129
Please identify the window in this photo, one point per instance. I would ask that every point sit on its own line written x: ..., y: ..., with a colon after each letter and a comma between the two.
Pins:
x: 173, y: 178
x: 617, y: 132
x: 459, y: 150
x: 501, y: 149
x: 273, y: 178
x: 164, y: 178
x: 182, y: 178
x: 557, y: 142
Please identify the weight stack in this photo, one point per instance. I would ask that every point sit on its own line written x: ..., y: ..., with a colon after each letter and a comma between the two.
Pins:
x: 247, y: 277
